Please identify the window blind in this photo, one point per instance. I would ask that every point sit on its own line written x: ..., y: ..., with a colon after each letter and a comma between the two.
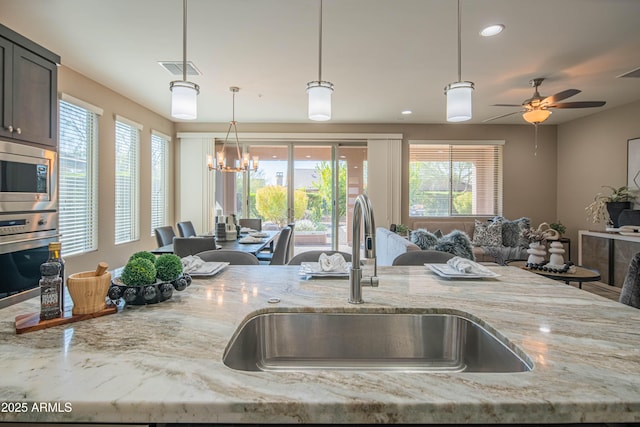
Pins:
x: 159, y: 181
x: 127, y: 200
x: 455, y: 179
x: 78, y: 183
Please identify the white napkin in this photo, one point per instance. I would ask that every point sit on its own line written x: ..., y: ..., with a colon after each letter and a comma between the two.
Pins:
x: 258, y: 234
x: 464, y: 265
x: 333, y: 262
x: 191, y: 263
x: 250, y: 239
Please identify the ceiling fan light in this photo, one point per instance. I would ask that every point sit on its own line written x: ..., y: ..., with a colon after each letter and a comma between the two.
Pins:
x: 319, y: 100
x: 536, y: 116
x: 184, y: 100
x: 459, y: 103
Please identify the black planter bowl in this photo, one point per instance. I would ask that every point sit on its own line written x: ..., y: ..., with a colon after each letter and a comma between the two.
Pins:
x: 147, y: 294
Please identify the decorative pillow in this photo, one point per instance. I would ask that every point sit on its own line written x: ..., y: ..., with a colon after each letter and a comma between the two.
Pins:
x: 512, y: 231
x: 423, y: 238
x: 457, y: 243
x: 438, y: 233
x: 487, y: 233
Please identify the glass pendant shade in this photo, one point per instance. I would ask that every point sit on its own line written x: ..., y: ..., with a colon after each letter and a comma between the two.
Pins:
x: 536, y: 116
x: 319, y: 100
x: 459, y: 101
x: 184, y: 100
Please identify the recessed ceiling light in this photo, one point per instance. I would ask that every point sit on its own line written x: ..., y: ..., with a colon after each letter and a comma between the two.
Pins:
x: 405, y: 112
x: 492, y: 30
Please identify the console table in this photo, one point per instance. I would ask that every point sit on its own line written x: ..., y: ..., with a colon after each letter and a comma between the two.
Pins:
x: 609, y: 253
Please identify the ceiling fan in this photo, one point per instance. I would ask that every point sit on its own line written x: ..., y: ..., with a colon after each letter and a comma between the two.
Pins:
x: 537, y: 109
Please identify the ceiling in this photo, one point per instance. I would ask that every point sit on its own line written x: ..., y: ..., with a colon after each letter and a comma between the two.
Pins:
x: 383, y: 56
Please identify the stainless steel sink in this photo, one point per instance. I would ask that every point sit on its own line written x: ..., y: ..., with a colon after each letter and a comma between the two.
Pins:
x: 370, y: 341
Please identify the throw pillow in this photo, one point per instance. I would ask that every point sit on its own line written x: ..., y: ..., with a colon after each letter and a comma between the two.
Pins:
x: 512, y: 231
x: 457, y: 243
x: 423, y: 238
x: 487, y: 233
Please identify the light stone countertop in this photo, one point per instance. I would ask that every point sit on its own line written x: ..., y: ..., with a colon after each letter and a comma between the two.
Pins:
x: 162, y: 363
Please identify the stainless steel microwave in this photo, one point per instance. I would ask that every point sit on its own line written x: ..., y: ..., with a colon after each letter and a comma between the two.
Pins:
x: 28, y: 177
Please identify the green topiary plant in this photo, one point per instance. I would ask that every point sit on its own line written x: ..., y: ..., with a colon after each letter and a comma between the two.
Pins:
x: 139, y: 272
x: 144, y: 254
x: 168, y: 267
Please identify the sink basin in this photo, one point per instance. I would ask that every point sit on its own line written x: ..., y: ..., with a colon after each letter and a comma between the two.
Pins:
x: 369, y: 341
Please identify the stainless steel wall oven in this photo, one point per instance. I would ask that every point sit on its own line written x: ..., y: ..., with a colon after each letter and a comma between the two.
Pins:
x: 28, y: 217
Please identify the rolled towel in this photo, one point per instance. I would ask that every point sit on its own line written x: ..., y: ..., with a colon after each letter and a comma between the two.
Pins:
x: 333, y: 262
x: 464, y: 265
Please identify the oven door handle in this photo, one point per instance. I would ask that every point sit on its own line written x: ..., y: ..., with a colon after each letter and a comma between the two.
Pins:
x: 12, y: 242
x: 26, y: 244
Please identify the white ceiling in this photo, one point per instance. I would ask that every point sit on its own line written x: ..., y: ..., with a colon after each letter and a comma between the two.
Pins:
x: 383, y: 56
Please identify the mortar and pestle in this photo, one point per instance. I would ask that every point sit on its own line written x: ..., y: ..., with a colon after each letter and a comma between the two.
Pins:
x: 88, y: 289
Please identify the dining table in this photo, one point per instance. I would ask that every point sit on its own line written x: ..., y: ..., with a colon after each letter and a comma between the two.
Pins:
x: 233, y: 245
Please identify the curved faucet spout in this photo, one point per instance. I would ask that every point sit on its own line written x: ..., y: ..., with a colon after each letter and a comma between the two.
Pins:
x: 362, y: 210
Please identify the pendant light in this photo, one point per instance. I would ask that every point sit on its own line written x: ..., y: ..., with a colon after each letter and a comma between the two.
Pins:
x: 459, y: 93
x: 244, y: 164
x: 320, y: 91
x: 184, y: 94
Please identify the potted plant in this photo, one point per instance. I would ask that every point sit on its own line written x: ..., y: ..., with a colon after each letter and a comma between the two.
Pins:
x: 607, y: 207
x: 559, y: 227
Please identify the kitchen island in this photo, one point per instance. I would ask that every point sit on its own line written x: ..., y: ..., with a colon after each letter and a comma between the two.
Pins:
x: 162, y: 363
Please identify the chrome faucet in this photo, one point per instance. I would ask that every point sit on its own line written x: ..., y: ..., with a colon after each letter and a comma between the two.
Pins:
x: 362, y: 210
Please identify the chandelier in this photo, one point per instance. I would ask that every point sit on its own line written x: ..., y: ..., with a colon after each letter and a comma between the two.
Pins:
x: 244, y: 163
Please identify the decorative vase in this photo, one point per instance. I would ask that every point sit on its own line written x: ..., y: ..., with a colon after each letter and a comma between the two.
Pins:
x: 556, y: 250
x: 537, y: 252
x: 615, y: 209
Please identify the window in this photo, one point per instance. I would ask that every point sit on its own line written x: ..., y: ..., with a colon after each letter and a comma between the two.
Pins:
x: 448, y: 179
x: 159, y: 180
x: 78, y: 183
x: 127, y: 184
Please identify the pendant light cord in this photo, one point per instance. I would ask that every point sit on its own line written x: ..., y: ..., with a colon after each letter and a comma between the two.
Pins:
x: 459, y: 43
x: 320, y: 46
x: 184, y: 40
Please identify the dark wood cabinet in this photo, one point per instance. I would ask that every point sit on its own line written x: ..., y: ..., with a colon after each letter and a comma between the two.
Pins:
x: 29, y: 77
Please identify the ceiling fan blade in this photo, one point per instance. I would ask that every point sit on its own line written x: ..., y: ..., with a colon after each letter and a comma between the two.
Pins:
x: 503, y: 115
x: 559, y: 96
x: 507, y: 105
x: 578, y: 104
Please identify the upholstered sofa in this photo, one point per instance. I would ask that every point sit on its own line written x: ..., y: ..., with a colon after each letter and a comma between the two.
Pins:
x: 389, y: 244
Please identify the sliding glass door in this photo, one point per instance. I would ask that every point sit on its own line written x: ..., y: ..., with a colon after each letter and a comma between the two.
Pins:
x: 312, y: 185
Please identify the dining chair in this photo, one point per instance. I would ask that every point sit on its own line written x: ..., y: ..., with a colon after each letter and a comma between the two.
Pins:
x: 164, y: 235
x: 252, y: 223
x: 312, y: 256
x: 232, y: 257
x: 422, y: 257
x: 184, y: 246
x: 280, y: 254
x: 186, y: 229
x: 630, y: 293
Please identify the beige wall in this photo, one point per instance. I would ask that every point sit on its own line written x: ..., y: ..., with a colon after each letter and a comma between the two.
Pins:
x: 113, y: 103
x: 592, y: 152
x: 530, y: 180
